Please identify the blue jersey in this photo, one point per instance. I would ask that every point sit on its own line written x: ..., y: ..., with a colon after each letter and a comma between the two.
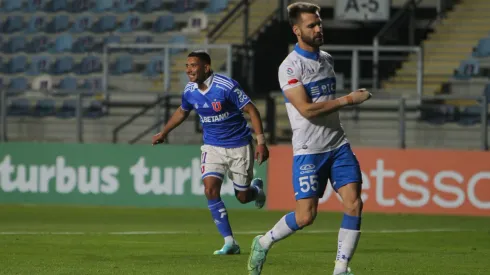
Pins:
x: 219, y: 109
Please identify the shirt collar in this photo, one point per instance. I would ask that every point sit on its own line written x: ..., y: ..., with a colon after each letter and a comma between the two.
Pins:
x: 307, y: 54
x: 209, y: 80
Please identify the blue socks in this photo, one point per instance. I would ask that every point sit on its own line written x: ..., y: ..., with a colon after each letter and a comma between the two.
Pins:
x: 220, y: 217
x: 351, y: 222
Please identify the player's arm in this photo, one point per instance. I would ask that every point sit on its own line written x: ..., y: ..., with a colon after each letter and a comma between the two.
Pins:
x: 261, y: 151
x: 177, y: 118
x: 256, y: 120
x: 297, y: 96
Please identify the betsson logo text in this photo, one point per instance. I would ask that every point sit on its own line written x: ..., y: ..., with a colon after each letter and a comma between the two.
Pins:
x: 416, y: 188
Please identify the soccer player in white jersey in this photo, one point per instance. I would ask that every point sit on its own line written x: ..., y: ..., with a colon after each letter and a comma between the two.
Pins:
x: 220, y: 102
x: 321, y: 150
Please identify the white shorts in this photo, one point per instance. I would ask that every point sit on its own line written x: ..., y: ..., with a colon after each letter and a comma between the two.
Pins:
x: 238, y: 162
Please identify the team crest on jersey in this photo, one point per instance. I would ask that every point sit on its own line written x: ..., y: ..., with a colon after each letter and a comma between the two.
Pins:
x: 216, y: 106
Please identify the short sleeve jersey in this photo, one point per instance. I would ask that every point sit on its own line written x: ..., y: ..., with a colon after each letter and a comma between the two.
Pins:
x: 315, y: 72
x: 220, y: 111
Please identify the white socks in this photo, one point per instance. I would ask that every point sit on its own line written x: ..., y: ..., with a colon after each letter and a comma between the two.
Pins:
x: 280, y: 231
x: 229, y: 240
x: 347, y: 243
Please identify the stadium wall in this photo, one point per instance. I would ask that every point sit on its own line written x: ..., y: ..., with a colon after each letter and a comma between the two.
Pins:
x: 400, y: 181
x: 395, y: 180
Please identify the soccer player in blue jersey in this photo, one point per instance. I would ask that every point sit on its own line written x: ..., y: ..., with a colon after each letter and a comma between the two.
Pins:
x: 320, y: 147
x: 220, y: 102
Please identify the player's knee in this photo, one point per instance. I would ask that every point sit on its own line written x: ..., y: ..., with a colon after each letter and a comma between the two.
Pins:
x: 305, y: 219
x: 211, y: 192
x: 353, y: 206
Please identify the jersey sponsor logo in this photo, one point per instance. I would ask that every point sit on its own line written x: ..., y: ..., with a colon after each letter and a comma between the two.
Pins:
x: 289, y: 71
x: 216, y: 106
x: 218, y: 118
x: 307, y: 168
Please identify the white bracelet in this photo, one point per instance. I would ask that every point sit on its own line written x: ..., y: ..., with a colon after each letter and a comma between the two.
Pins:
x: 260, y: 139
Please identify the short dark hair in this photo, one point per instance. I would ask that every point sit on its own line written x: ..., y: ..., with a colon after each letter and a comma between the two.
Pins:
x: 296, y: 9
x: 202, y: 55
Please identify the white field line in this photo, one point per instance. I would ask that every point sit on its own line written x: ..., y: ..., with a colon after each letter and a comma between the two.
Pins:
x: 252, y: 232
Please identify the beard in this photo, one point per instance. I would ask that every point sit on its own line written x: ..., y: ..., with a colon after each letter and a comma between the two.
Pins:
x: 312, y: 41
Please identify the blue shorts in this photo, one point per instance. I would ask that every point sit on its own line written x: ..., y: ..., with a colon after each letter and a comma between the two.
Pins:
x: 312, y: 172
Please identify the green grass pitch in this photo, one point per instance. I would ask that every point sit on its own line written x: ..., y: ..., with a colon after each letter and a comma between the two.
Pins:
x: 104, y: 240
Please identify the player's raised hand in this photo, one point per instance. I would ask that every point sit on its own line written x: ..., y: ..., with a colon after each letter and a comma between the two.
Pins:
x: 158, y: 138
x: 261, y: 153
x: 359, y: 96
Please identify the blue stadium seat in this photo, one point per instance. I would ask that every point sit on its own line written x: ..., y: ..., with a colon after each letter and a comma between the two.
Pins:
x: 216, y: 6
x: 63, y: 65
x: 38, y: 44
x: 94, y: 83
x: 39, y: 65
x: 63, y: 43
x: 83, y: 44
x: 149, y: 6
x: 124, y: 5
x: 164, y: 23
x: 67, y: 85
x: 182, y: 6
x: 467, y: 68
x: 78, y: 6
x: 90, y: 86
x: 483, y: 48
x: 57, y: 5
x: 36, y: 24
x: 12, y: 5
x: 82, y: 24
x: 16, y: 44
x: 470, y: 115
x: 130, y: 24
x: 89, y: 64
x: 154, y: 67
x: 68, y: 109
x: 94, y: 110
x: 177, y: 39
x: 105, y: 24
x: 35, y: 5
x: 19, y: 107
x: 102, y: 6
x: 13, y: 24
x: 123, y: 65
x: 44, y: 107
x: 17, y: 85
x: 59, y: 24
x: 142, y: 39
x: 17, y: 64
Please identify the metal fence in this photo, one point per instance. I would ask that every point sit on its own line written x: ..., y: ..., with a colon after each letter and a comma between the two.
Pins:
x: 399, y: 111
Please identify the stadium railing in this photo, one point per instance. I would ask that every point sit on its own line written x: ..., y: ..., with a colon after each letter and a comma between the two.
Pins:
x: 407, y: 108
x: 353, y: 53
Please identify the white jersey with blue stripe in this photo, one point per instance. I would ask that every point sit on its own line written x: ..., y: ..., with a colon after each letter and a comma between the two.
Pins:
x: 220, y: 111
x: 315, y: 72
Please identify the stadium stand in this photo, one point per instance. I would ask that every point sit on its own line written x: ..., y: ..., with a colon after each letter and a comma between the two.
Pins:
x: 55, y: 47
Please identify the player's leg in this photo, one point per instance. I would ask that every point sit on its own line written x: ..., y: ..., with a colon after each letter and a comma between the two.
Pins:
x: 240, y: 163
x: 213, y: 169
x: 346, y: 175
x: 309, y: 182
